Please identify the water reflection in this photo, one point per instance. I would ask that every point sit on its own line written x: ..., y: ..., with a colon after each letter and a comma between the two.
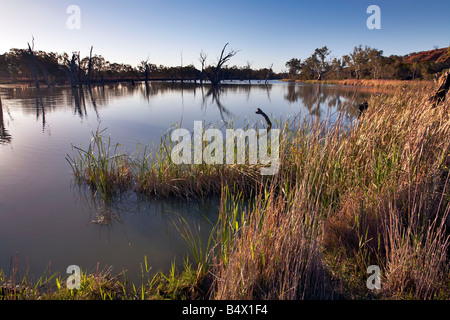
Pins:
x: 40, y: 107
x: 314, y: 98
x: 214, y: 93
x: 342, y: 98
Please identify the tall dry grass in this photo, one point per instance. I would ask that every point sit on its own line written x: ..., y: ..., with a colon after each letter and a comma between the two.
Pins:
x: 346, y: 198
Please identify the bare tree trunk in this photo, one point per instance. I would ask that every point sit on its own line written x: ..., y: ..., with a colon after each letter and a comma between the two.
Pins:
x: 202, y: 60
x: 90, y: 67
x: 214, y: 75
x: 249, y: 71
x: 181, y: 68
x: 268, y: 74
x: 72, y: 70
x: 46, y: 74
x: 32, y: 65
x: 80, y: 84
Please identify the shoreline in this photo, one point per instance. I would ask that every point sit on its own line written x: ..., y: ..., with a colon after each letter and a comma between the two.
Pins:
x: 380, y: 83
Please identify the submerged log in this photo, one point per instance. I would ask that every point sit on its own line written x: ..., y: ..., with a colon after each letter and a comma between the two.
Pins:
x: 269, y: 124
x: 441, y: 92
x: 363, y: 106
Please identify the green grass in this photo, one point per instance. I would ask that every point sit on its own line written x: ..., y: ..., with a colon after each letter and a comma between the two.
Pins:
x: 108, y: 170
x: 103, y: 285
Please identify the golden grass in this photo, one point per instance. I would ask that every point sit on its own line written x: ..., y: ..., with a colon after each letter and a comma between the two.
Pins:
x: 343, y: 200
x: 375, y: 83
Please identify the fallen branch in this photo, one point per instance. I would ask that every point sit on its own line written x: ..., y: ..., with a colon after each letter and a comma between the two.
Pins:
x: 269, y: 124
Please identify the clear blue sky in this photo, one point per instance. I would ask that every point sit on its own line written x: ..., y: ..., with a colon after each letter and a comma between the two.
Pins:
x: 266, y: 32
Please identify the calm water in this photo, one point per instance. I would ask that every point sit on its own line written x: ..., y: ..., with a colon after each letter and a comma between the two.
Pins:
x: 46, y: 220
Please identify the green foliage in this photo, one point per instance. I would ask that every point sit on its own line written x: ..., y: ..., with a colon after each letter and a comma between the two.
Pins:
x: 363, y: 62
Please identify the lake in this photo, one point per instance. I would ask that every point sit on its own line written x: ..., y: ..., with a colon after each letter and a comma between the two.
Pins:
x: 48, y: 223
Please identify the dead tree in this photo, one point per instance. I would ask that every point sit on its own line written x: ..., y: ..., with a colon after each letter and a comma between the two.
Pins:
x: 46, y: 74
x: 202, y: 60
x: 268, y: 74
x: 214, y: 74
x: 441, y: 92
x: 33, y: 64
x: 181, y: 68
x: 90, y: 67
x: 249, y: 71
x: 145, y: 69
x: 71, y: 69
x: 80, y: 83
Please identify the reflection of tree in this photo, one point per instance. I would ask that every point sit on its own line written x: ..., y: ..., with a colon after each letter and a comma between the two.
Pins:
x: 313, y: 97
x: 292, y: 94
x: 40, y: 107
x: 94, y: 104
x: 214, y: 93
x: 5, y: 137
x: 78, y: 100
x: 268, y: 89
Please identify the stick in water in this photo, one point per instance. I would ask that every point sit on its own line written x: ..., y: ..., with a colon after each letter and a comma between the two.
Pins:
x: 269, y: 124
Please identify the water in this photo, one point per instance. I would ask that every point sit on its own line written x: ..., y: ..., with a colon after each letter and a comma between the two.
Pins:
x: 47, y: 222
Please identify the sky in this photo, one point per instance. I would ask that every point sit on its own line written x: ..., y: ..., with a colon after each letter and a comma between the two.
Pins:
x: 265, y: 32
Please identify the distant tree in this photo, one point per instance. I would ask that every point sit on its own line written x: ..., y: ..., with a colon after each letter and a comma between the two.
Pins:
x: 319, y: 62
x: 364, y: 62
x: 375, y: 62
x: 309, y: 68
x: 336, y: 68
x: 202, y: 59
x: 294, y: 66
x: 144, y: 68
x: 269, y: 73
x: 357, y: 61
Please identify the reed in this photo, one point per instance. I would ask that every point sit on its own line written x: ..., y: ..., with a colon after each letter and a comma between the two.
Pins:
x: 108, y: 170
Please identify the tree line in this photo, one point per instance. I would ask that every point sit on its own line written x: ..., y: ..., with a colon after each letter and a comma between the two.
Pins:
x: 19, y: 65
x: 363, y: 62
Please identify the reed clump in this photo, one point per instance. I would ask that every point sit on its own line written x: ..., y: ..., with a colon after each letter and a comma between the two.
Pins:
x: 108, y: 170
